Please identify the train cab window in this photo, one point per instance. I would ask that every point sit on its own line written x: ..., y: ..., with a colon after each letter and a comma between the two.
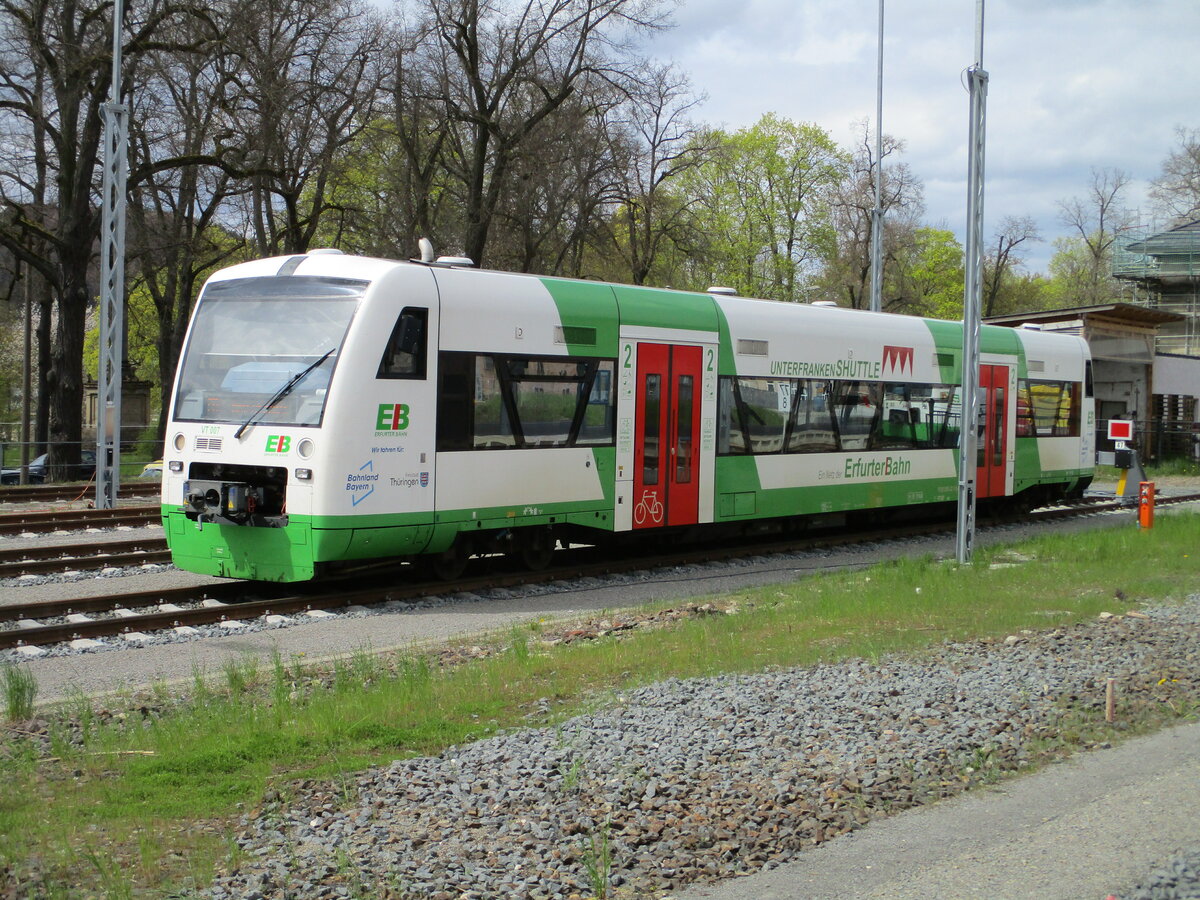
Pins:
x: 404, y: 355
x: 265, y: 349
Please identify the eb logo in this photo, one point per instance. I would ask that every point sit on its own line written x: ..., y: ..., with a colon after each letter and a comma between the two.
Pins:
x: 392, y: 417
x: 278, y: 443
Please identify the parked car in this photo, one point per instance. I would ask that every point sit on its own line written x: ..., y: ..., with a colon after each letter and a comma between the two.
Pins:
x: 152, y: 469
x: 37, y: 470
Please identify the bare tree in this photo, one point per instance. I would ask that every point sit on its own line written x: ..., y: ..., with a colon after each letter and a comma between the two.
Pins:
x: 55, y: 75
x: 177, y: 185
x: 1006, y: 257
x: 847, y: 274
x: 1098, y: 220
x: 501, y: 68
x: 307, y: 86
x: 560, y: 181
x: 1177, y: 189
x: 658, y: 141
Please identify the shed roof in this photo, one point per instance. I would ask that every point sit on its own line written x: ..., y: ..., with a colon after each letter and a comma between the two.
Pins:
x: 1132, y: 313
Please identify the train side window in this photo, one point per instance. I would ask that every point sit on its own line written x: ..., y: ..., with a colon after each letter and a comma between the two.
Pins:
x: 493, y: 419
x: 812, y: 428
x: 456, y: 389
x: 754, y: 414
x: 859, y: 408
x: 404, y: 355
x: 597, y: 425
x: 729, y: 426
x: 900, y: 420
x: 1025, y: 426
x: 651, y: 429
x: 1088, y: 388
x: 1056, y: 407
x: 1070, y: 417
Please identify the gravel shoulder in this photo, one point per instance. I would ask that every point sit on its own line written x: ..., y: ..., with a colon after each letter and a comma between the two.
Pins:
x: 1081, y: 828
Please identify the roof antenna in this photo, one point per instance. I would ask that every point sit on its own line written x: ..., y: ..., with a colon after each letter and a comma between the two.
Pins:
x: 426, y: 250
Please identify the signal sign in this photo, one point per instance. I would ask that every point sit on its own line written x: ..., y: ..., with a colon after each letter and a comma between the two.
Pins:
x: 1120, y: 430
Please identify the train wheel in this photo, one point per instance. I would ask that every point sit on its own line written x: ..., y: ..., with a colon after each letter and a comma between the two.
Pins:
x: 536, y: 549
x: 450, y: 563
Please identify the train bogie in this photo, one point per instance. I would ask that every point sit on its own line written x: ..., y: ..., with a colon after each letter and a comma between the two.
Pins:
x: 331, y: 409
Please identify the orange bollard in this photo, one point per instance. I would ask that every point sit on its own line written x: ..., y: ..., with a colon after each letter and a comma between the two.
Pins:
x: 1146, y: 504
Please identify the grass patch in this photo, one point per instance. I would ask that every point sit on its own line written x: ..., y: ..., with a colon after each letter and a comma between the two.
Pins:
x: 121, y: 806
x: 1179, y: 466
x: 20, y: 689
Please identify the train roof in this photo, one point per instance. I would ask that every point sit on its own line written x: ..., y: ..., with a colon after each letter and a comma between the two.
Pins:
x: 740, y: 311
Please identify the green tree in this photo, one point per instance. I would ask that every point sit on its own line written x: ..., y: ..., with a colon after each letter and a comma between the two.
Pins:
x: 765, y: 195
x: 928, y: 276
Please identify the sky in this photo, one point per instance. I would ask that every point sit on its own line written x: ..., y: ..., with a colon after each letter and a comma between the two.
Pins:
x: 1073, y: 85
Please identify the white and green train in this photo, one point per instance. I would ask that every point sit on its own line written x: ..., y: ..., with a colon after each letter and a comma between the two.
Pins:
x: 331, y: 409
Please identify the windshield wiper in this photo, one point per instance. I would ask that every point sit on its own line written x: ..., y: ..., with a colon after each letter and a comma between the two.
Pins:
x: 282, y: 392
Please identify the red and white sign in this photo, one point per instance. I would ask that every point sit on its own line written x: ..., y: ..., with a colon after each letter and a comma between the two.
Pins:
x: 1120, y: 430
x: 897, y: 357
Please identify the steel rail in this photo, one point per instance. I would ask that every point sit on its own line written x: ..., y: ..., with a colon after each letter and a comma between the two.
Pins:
x: 86, y: 557
x: 48, y: 493
x: 75, y: 519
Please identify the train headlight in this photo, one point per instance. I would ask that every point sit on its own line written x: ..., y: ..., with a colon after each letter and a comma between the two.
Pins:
x: 304, y: 474
x: 175, y: 465
x: 180, y: 442
x: 305, y: 448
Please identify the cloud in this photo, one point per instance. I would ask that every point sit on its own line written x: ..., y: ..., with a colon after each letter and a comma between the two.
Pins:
x: 1074, y: 84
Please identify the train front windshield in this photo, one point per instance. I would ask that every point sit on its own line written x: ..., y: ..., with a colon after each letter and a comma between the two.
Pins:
x: 264, y: 349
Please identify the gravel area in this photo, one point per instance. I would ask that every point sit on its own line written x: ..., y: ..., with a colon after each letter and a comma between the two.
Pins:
x: 1175, y: 879
x: 696, y: 780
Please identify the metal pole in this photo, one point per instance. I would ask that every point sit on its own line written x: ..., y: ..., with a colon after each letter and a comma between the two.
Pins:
x: 877, y: 212
x: 27, y: 378
x: 112, y: 285
x: 972, y: 296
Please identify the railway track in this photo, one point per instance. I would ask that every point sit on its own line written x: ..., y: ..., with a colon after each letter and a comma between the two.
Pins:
x: 55, y: 493
x: 77, y: 519
x: 45, y: 623
x: 82, y: 557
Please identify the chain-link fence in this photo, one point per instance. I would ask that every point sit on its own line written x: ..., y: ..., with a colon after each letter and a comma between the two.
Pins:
x: 136, y: 460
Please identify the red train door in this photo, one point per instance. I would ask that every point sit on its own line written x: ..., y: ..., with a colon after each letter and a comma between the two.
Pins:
x: 666, y: 461
x: 993, y: 432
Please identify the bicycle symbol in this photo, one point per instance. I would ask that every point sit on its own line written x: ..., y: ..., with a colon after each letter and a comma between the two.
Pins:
x: 650, y: 506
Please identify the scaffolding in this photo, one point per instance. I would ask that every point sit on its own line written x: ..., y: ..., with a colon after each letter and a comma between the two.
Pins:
x: 1163, y: 270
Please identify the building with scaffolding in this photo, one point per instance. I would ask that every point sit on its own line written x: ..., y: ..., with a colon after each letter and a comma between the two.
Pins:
x: 1163, y: 271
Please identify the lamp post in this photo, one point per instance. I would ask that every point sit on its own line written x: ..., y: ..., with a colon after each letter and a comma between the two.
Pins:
x: 877, y: 212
